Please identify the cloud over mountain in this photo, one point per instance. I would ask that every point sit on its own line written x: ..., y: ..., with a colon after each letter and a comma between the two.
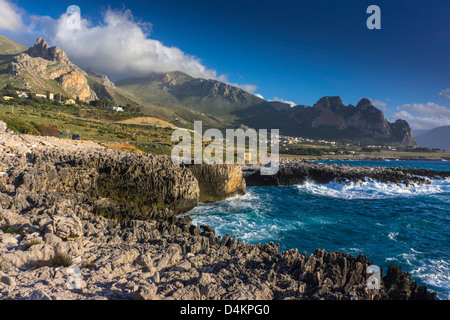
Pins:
x: 424, y: 116
x: 119, y: 45
x: 10, y: 18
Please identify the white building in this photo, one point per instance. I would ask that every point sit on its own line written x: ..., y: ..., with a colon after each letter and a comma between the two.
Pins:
x: 22, y: 94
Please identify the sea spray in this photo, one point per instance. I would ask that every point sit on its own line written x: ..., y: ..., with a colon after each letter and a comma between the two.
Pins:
x: 390, y: 223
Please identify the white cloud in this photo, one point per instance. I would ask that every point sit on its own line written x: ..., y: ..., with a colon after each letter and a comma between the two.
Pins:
x: 424, y: 116
x: 379, y: 104
x: 430, y: 108
x: 259, y: 95
x: 119, y: 46
x: 291, y: 103
x: 445, y: 93
x: 10, y: 18
x: 246, y: 87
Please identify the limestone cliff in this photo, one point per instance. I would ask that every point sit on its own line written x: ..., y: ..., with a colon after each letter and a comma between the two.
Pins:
x: 365, y: 118
x: 51, y: 194
x: 218, y: 182
x: 121, y: 185
x: 40, y: 63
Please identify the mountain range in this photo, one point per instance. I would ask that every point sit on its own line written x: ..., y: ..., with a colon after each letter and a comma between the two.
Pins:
x: 436, y: 138
x: 180, y: 99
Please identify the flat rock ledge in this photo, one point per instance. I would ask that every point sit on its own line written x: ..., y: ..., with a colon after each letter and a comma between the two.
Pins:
x: 292, y: 171
x: 78, y: 222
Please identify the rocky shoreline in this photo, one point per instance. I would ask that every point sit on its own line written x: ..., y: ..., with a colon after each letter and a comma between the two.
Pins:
x: 82, y: 222
x: 294, y: 171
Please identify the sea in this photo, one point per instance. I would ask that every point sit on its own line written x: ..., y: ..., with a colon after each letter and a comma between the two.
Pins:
x: 389, y: 223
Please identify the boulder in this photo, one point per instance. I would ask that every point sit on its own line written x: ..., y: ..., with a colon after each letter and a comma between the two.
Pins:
x: 67, y: 228
x: 3, y: 127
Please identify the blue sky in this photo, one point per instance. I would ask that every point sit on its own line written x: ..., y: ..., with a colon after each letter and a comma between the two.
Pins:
x: 298, y: 51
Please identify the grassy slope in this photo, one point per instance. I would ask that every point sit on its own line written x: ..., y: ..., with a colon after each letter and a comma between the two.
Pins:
x: 91, y: 124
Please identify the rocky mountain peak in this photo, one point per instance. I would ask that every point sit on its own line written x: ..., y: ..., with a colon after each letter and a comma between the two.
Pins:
x: 41, y: 49
x: 364, y: 103
x: 101, y: 77
x: 329, y: 103
x: 40, y: 63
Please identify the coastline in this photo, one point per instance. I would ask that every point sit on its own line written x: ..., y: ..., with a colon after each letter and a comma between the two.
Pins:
x: 366, y: 158
x: 96, y: 208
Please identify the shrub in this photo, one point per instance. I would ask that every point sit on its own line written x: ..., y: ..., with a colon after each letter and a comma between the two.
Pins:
x: 59, y: 259
x: 17, y: 125
x: 33, y: 242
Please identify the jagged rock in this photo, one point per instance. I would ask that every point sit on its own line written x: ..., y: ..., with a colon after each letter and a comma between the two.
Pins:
x: 9, y: 281
x: 102, y: 201
x: 296, y: 172
x: 44, y: 62
x: 39, y: 295
x: 103, y: 78
x: 146, y: 293
x: 67, y: 228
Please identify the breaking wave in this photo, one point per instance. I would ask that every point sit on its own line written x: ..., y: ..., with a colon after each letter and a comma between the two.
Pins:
x: 373, y: 189
x: 389, y: 223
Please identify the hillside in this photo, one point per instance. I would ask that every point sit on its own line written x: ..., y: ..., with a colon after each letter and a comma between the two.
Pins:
x: 177, y: 89
x: 438, y: 138
x: 180, y: 99
x: 329, y: 118
x: 9, y: 47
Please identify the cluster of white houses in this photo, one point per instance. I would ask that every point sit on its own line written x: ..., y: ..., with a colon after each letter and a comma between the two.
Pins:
x: 296, y: 140
x: 26, y: 95
x: 51, y: 96
x: 288, y: 140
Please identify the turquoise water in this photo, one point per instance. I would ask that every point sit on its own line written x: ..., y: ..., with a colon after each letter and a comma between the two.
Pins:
x: 390, y: 224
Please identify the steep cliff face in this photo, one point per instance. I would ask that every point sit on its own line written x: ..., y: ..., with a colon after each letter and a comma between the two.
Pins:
x: 218, y: 182
x: 117, y: 184
x: 41, y: 62
x: 330, y: 118
x: 364, y: 117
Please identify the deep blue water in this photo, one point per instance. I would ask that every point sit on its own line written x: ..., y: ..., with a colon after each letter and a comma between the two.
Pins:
x: 390, y: 224
x: 426, y: 164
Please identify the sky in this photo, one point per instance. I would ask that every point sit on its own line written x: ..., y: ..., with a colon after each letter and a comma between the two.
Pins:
x: 293, y: 51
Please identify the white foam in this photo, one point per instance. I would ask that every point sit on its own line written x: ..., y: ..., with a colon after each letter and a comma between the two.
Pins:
x: 372, y: 189
x: 392, y: 235
x: 436, y: 273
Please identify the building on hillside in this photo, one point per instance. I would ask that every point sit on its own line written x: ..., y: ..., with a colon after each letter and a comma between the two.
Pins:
x: 38, y: 95
x: 51, y: 96
x: 22, y: 94
x: 7, y: 98
x: 69, y: 101
x: 117, y: 109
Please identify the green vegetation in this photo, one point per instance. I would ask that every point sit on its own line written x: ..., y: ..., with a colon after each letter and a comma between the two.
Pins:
x: 126, y: 130
x: 95, y: 122
x: 33, y: 243
x: 7, y: 228
x: 18, y: 125
x: 59, y: 259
